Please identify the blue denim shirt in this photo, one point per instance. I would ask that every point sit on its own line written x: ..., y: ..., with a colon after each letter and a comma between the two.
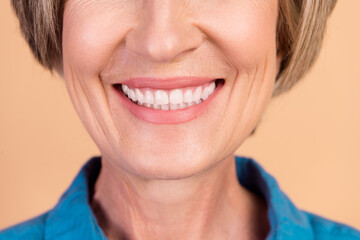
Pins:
x: 72, y: 217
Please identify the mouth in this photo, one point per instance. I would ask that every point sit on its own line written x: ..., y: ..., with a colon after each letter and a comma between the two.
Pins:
x: 171, y: 99
x: 164, y: 104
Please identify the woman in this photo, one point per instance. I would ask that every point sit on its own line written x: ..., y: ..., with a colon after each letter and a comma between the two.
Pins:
x: 168, y: 90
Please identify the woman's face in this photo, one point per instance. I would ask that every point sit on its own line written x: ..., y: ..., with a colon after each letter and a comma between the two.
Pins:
x: 169, y: 51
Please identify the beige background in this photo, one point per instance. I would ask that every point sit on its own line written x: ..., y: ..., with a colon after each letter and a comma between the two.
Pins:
x: 309, y: 138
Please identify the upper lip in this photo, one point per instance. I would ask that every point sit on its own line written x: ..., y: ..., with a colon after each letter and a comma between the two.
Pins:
x: 166, y: 83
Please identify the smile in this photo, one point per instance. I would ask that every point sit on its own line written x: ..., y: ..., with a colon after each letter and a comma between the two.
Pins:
x: 179, y: 98
x: 160, y: 102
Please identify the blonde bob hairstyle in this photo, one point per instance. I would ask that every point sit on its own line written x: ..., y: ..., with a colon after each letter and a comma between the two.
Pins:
x: 300, y: 31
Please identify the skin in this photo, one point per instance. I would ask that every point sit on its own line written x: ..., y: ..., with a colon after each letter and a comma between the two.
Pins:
x: 172, y: 181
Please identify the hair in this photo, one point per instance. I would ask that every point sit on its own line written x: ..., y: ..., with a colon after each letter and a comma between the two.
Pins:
x: 300, y: 32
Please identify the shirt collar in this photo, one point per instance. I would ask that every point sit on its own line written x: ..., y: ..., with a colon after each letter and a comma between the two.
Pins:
x: 72, y: 217
x: 286, y: 220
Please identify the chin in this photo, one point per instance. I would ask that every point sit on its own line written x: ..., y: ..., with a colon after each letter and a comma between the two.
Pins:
x: 168, y: 165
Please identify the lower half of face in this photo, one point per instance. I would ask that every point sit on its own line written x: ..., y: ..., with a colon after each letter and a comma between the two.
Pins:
x: 165, y: 89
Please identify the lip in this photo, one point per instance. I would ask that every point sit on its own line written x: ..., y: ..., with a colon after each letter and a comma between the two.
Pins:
x: 166, y: 83
x: 157, y: 116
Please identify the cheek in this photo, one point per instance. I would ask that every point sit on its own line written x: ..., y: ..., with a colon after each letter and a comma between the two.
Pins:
x: 252, y: 43
x: 246, y: 32
x: 91, y: 36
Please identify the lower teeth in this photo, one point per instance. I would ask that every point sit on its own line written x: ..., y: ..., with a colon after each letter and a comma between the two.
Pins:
x: 168, y: 106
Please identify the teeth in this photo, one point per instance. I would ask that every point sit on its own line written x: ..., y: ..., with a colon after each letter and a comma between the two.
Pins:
x: 208, y: 91
x: 205, y: 94
x: 161, y: 97
x: 165, y: 107
x: 169, y: 99
x: 212, y: 87
x: 173, y: 106
x: 125, y: 89
x: 178, y: 106
x: 188, y: 96
x: 176, y: 96
x: 139, y: 95
x: 149, y: 98
x: 197, y: 94
x: 182, y: 105
x: 132, y: 95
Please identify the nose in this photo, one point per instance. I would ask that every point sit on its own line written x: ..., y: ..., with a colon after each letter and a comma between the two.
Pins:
x: 163, y: 31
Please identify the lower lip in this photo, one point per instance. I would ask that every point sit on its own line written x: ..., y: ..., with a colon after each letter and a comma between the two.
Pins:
x: 177, y: 116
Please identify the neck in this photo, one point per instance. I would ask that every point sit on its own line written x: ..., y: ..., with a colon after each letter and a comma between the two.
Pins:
x: 210, y: 205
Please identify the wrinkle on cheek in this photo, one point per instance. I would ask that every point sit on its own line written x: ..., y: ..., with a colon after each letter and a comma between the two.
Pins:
x: 80, y: 100
x: 237, y: 118
x: 259, y: 91
x: 262, y: 81
x: 91, y: 104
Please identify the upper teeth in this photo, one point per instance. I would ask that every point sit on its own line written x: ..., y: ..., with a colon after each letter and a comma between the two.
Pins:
x: 169, y: 99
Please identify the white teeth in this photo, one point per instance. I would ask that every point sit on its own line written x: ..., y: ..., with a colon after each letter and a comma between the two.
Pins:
x: 139, y: 95
x: 178, y: 106
x: 212, y: 87
x: 161, y: 97
x: 149, y: 98
x: 205, y: 93
x: 188, y: 96
x: 169, y: 99
x: 125, y: 89
x: 197, y: 94
x: 182, y: 105
x: 132, y: 95
x: 165, y: 107
x: 176, y: 96
x: 173, y: 106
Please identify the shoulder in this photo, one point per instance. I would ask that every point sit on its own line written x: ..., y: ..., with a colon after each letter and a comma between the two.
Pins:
x: 325, y: 229
x: 32, y: 229
x: 287, y: 221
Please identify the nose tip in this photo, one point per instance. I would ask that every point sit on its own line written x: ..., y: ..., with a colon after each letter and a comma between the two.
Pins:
x: 165, y: 46
x: 161, y: 36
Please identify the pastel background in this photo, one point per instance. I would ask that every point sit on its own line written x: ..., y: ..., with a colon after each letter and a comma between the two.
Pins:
x: 309, y: 138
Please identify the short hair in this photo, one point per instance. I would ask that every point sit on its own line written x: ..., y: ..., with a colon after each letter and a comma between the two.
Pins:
x: 300, y: 31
